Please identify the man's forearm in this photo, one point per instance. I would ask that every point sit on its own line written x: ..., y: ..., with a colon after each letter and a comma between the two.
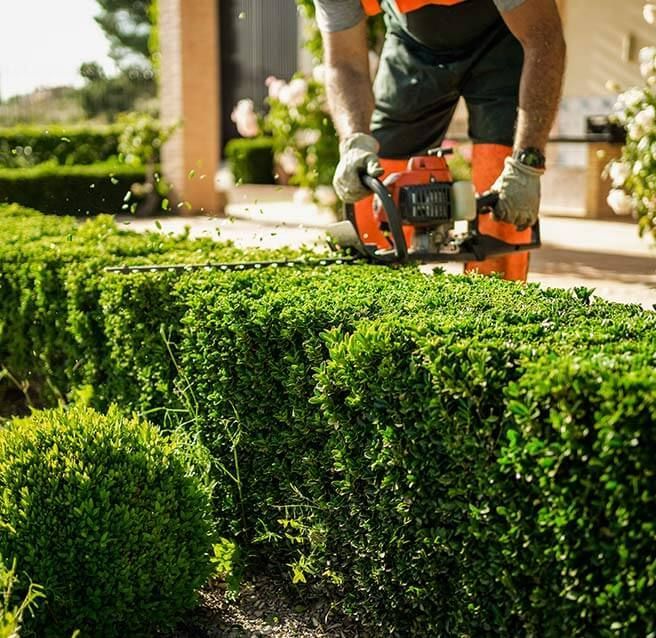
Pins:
x: 350, y: 99
x: 540, y: 90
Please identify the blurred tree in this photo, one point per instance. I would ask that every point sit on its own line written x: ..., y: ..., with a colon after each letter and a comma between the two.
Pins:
x: 103, y: 96
x: 92, y: 71
x: 127, y: 24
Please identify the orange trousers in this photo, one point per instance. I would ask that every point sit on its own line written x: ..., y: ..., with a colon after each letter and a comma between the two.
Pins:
x: 487, y: 164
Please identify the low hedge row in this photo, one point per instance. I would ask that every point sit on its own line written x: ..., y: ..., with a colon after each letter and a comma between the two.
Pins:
x: 72, y: 190
x: 462, y: 456
x: 24, y: 146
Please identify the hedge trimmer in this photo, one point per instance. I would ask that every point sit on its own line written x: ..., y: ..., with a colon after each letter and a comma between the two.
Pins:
x: 413, y: 215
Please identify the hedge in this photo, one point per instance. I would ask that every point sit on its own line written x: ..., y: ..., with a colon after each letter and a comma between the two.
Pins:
x: 24, y: 146
x: 458, y: 455
x: 72, y: 190
x: 51, y: 274
x: 109, y: 515
x: 251, y: 160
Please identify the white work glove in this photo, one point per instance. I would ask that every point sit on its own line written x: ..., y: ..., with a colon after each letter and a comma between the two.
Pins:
x: 519, y: 194
x: 358, y: 152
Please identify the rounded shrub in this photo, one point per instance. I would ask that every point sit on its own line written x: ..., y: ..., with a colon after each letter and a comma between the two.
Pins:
x: 112, y: 517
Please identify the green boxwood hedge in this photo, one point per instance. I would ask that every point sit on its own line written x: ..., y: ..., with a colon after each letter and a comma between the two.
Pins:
x: 251, y: 160
x: 460, y: 455
x: 109, y: 515
x: 72, y: 190
x: 24, y: 146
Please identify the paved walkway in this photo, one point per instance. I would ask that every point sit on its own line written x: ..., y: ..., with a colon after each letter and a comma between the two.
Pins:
x: 605, y: 255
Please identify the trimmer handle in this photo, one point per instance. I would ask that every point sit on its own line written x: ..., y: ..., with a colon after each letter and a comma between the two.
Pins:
x: 486, y: 202
x: 393, y: 217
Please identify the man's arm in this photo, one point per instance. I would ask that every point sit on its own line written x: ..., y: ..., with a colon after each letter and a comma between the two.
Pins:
x: 348, y: 83
x: 537, y: 25
x: 351, y: 101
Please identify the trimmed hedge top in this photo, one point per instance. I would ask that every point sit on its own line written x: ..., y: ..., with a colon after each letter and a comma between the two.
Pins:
x: 24, y: 146
x: 72, y: 190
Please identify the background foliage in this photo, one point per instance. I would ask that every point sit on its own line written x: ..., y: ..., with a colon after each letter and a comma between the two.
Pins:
x: 634, y: 175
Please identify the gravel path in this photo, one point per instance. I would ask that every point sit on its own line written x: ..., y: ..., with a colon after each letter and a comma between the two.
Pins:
x: 266, y: 607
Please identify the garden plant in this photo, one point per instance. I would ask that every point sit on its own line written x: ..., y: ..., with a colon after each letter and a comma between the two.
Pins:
x: 111, y: 516
x: 633, y: 176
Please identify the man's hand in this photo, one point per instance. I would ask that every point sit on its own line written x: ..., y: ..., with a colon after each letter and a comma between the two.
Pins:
x: 359, y: 152
x: 519, y: 194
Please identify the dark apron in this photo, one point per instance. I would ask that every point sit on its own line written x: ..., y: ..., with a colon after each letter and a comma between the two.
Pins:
x: 432, y: 57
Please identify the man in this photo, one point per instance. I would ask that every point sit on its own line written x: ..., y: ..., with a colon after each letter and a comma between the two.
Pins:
x: 504, y: 57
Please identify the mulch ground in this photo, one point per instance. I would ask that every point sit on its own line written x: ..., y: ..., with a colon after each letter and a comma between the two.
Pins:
x: 267, y: 606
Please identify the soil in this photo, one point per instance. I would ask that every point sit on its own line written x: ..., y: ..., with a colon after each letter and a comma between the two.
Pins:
x: 267, y: 607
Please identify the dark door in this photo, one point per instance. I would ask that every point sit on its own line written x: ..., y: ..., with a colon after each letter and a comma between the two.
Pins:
x: 259, y: 38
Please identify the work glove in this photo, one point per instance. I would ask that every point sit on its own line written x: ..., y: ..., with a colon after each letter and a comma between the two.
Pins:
x: 519, y: 194
x: 358, y: 152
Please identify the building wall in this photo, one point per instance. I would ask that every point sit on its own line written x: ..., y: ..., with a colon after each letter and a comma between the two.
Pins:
x: 604, y: 38
x: 190, y: 97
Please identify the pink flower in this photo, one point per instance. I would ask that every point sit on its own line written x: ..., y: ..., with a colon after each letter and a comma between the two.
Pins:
x: 294, y: 93
x: 245, y: 118
x: 275, y: 86
x: 319, y: 74
x: 307, y: 137
x: 288, y: 161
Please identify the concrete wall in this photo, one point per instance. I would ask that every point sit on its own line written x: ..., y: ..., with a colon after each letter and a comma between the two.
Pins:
x: 604, y: 38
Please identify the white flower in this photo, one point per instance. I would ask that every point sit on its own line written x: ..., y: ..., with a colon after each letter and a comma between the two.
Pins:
x: 307, y: 137
x: 637, y: 168
x: 294, y: 93
x: 319, y: 74
x: 646, y: 117
x: 649, y: 13
x: 275, y: 85
x: 647, y: 58
x: 620, y: 202
x: 288, y: 161
x: 245, y: 118
x: 635, y: 131
x: 325, y: 195
x: 302, y: 196
x: 619, y: 173
x: 631, y: 98
x: 644, y: 145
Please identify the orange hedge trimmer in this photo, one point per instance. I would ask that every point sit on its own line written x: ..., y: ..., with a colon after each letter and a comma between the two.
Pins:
x: 416, y: 210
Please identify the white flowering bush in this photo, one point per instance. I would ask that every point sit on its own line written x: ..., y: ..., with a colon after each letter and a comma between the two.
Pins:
x: 633, y: 176
x: 304, y: 139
